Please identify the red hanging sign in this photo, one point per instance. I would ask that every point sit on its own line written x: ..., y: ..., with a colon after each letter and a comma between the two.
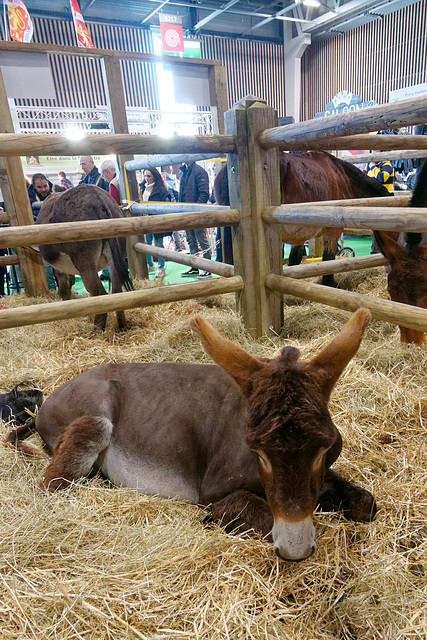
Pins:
x: 171, y: 32
x: 20, y: 23
x: 83, y: 37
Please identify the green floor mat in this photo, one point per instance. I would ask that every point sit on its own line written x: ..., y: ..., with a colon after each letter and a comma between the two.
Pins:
x: 361, y: 246
x: 173, y: 276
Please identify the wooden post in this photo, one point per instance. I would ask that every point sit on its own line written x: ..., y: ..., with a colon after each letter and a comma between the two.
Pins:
x: 217, y: 78
x: 253, y: 181
x: 315, y: 246
x: 17, y: 205
x: 115, y: 96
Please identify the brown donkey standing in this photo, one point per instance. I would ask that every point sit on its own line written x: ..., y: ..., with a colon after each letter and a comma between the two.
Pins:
x: 81, y: 203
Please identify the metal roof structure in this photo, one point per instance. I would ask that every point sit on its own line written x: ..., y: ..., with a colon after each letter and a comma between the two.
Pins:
x: 251, y: 19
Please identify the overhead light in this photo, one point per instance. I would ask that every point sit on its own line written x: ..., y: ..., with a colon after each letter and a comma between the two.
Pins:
x: 311, y: 3
x: 74, y: 134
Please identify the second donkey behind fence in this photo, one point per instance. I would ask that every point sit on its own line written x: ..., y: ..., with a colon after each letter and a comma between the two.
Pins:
x: 86, y: 257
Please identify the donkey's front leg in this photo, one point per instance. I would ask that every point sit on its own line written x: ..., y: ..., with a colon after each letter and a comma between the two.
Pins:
x: 338, y: 494
x: 243, y: 511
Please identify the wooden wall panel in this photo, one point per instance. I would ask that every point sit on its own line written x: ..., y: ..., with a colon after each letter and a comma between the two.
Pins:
x: 389, y: 53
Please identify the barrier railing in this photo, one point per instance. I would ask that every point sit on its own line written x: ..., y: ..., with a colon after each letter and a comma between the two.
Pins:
x: 251, y: 145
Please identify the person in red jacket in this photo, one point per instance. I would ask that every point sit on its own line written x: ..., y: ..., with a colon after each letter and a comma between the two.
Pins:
x: 108, y: 172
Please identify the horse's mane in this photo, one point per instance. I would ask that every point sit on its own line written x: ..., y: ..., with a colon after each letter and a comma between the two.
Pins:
x: 366, y: 186
x: 360, y: 182
x: 419, y: 195
x: 419, y: 199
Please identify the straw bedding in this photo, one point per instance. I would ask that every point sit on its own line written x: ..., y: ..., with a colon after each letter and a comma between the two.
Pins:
x: 97, y: 561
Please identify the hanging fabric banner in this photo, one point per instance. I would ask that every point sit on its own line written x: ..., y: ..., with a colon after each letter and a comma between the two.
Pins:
x: 83, y: 37
x: 171, y: 32
x: 20, y: 23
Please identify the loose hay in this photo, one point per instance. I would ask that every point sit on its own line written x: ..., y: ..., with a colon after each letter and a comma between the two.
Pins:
x: 99, y: 562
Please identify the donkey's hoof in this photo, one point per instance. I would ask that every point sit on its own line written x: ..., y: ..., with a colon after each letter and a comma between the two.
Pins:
x: 360, y: 506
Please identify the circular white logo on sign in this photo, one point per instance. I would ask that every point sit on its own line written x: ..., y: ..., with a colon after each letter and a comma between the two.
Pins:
x: 172, y: 38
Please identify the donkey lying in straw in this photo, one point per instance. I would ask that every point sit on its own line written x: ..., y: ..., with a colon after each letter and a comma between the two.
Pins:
x: 407, y: 255
x: 258, y: 450
x: 86, y: 202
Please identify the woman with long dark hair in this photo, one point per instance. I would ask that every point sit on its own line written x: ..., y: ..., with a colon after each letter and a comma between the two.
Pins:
x: 154, y: 189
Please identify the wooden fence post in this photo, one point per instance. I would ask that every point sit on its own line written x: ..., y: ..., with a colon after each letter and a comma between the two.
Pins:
x: 17, y: 205
x: 115, y: 96
x: 253, y: 177
x: 217, y: 78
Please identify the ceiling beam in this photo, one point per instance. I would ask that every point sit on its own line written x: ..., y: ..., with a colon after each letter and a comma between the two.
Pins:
x: 154, y: 11
x: 214, y: 14
x: 267, y: 20
x: 88, y: 5
x: 341, y: 14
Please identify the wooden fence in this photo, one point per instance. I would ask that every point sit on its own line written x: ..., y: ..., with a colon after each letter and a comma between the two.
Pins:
x: 251, y: 140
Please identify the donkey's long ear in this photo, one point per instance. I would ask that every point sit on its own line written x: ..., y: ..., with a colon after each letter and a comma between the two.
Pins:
x: 333, y: 359
x: 239, y: 364
x: 388, y: 246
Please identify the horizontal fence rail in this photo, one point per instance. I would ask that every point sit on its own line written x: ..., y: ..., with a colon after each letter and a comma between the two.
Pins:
x: 219, y: 268
x: 398, y: 199
x: 161, y: 160
x: 6, y: 261
x: 402, y: 314
x: 51, y: 311
x: 174, y: 207
x: 339, y: 265
x: 397, y: 219
x: 51, y: 144
x: 361, y: 141
x: 26, y: 236
x: 391, y: 115
x: 387, y: 155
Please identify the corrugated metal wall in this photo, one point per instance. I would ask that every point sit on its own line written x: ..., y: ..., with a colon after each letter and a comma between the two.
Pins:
x: 253, y: 67
x: 370, y: 61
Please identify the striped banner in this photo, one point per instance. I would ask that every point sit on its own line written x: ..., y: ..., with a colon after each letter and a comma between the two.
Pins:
x: 20, y: 23
x: 83, y: 37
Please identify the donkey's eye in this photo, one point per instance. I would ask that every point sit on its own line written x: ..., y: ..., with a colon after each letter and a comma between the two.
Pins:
x: 264, y: 460
x: 319, y: 460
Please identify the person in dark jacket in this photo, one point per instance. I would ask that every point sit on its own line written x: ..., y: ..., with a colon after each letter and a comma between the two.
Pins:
x: 38, y: 190
x: 194, y: 187
x: 92, y: 175
x: 65, y: 182
x: 154, y: 189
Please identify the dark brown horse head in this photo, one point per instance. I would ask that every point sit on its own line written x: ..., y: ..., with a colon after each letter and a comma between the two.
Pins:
x: 289, y: 426
x: 407, y: 277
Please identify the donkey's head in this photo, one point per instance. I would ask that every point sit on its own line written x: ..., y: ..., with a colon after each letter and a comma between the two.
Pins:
x: 289, y: 428
x: 407, y: 277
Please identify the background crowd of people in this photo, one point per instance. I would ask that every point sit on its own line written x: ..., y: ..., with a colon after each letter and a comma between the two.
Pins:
x: 190, y: 185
